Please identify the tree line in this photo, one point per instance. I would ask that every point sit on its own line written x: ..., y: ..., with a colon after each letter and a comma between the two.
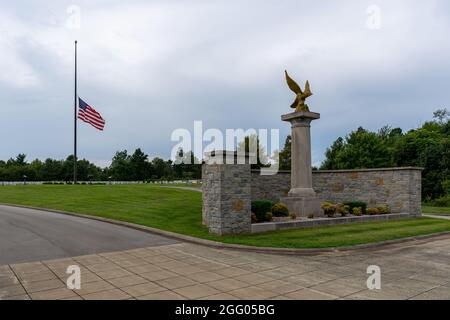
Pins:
x: 427, y: 146
x: 124, y: 167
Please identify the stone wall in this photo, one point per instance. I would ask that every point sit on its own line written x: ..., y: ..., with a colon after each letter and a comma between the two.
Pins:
x: 226, y: 198
x: 270, y: 187
x: 399, y: 188
x: 229, y: 189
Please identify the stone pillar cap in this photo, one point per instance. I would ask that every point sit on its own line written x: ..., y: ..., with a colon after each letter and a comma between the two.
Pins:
x: 216, y: 156
x: 300, y: 115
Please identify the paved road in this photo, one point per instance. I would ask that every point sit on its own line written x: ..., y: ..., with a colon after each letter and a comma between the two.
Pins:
x: 437, y: 216
x: 31, y: 235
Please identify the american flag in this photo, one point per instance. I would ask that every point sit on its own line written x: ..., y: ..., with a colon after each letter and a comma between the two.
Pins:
x: 89, y: 115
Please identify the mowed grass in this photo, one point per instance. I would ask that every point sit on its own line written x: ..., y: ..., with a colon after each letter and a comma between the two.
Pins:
x: 180, y: 211
x: 155, y: 206
x: 435, y: 210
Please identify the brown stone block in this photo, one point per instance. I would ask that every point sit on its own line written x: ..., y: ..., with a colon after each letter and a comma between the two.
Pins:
x: 338, y: 187
x: 238, y: 205
x: 399, y: 204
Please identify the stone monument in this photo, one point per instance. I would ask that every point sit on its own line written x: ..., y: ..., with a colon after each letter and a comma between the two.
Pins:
x: 226, y: 192
x: 301, y: 199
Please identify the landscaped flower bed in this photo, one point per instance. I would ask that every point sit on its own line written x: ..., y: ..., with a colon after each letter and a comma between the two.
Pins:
x: 266, y: 211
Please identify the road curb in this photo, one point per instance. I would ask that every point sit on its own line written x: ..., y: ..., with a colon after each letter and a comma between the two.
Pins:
x: 269, y: 250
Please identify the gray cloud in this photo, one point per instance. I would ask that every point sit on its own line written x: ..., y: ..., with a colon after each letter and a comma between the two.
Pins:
x: 153, y: 66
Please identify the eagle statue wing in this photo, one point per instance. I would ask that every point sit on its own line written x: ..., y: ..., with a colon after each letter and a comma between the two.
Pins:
x: 292, y: 84
x: 308, y: 89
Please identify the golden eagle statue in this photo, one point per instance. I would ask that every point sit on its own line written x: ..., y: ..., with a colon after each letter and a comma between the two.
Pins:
x: 299, y: 103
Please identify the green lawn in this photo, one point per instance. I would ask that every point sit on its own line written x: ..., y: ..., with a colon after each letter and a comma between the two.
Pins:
x: 435, y: 210
x: 180, y: 211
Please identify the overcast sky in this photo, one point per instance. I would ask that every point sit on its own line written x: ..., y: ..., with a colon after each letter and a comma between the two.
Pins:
x: 150, y: 67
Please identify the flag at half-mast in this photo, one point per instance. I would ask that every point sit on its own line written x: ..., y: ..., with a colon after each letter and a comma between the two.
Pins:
x: 88, y: 114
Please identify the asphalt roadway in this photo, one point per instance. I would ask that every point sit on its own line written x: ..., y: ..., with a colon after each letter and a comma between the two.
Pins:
x: 32, y: 235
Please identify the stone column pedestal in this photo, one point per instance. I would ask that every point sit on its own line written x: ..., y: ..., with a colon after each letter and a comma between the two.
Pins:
x: 301, y: 198
x: 226, y: 193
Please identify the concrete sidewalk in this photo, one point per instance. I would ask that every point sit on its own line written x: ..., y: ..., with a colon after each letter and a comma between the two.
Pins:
x: 187, y: 271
